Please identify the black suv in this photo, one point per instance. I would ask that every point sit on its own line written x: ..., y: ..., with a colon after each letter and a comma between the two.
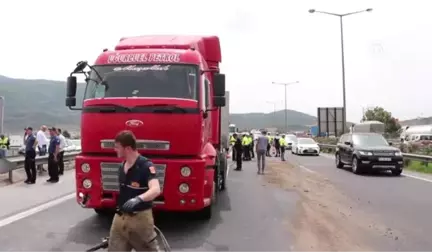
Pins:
x: 367, y: 152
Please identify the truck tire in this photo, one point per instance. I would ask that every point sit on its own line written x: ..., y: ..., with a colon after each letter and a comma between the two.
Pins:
x: 104, y: 211
x: 223, y: 168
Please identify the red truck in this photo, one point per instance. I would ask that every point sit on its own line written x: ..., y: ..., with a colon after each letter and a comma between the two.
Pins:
x: 168, y: 90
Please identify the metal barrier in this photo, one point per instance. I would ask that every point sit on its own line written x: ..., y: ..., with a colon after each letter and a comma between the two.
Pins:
x: 405, y: 155
x: 10, y: 164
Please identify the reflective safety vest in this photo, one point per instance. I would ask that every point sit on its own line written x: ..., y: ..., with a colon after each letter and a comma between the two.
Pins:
x: 245, y: 141
x: 232, y: 140
x: 250, y: 140
x: 282, y: 142
x: 3, y: 143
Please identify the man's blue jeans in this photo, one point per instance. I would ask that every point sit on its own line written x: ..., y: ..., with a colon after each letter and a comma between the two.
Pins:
x: 3, y: 153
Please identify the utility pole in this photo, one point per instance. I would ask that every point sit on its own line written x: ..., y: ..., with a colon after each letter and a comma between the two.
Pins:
x: 286, y: 110
x: 343, y: 53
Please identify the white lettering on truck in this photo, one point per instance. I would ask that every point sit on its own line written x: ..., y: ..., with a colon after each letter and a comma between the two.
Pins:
x: 143, y: 58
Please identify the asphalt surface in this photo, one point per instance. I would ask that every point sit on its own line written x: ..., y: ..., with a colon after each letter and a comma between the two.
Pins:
x: 249, y: 217
x: 402, y: 203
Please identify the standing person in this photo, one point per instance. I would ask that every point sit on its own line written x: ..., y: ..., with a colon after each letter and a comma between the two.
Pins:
x: 251, y: 146
x: 268, y: 145
x: 42, y: 144
x: 277, y: 145
x: 283, y: 144
x: 4, y: 145
x: 133, y: 225
x: 238, y: 147
x: 261, y: 149
x: 53, y: 152
x: 61, y: 153
x: 30, y: 157
x: 245, y: 144
x: 233, y: 140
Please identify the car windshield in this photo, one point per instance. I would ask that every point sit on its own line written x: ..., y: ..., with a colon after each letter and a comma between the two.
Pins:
x: 170, y: 81
x: 369, y: 140
x: 290, y: 138
x: 306, y: 141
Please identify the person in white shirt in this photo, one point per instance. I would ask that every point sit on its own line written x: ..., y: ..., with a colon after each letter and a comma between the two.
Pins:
x: 61, y: 153
x: 42, y: 140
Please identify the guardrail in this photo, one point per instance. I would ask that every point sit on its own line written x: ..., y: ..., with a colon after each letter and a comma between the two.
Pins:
x: 424, y: 158
x: 10, y: 164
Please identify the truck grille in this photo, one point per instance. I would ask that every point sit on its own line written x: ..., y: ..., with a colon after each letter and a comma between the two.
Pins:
x: 141, y: 144
x: 109, y: 175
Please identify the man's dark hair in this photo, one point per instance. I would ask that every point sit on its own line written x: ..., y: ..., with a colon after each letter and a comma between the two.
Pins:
x: 126, y: 139
x: 59, y: 130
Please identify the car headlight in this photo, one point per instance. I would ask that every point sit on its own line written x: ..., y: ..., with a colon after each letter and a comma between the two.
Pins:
x: 398, y: 153
x: 185, y: 171
x: 85, y: 167
x: 87, y: 183
x: 366, y: 153
x: 184, y: 188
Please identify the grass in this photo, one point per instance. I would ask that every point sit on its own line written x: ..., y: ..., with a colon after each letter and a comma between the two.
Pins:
x: 419, y: 166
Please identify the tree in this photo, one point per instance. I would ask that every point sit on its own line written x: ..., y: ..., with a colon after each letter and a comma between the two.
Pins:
x: 379, y: 114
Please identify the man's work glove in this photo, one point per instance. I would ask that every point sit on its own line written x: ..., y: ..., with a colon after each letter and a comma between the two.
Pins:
x: 130, y: 205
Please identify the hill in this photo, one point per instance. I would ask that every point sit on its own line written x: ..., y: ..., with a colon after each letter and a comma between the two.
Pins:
x: 297, y: 121
x: 37, y: 102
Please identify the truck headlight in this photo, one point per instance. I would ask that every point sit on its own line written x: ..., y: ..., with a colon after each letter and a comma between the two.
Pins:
x: 85, y: 168
x: 87, y: 184
x: 185, y: 171
x: 184, y: 188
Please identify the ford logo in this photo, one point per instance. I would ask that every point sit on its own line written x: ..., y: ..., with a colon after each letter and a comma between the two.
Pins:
x: 134, y: 123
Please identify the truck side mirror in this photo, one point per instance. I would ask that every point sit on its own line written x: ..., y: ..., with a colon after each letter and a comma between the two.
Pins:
x: 219, y: 101
x: 70, y: 101
x: 219, y: 84
x: 71, y: 86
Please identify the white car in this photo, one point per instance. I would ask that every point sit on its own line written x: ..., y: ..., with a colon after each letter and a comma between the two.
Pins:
x: 305, y: 146
x: 290, y: 139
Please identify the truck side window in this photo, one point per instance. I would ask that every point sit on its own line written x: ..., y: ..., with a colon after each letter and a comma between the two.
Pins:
x: 207, y: 93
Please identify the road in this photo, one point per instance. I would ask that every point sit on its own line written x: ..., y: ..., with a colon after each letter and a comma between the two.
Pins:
x: 395, y: 211
x: 303, y: 204
x: 250, y: 217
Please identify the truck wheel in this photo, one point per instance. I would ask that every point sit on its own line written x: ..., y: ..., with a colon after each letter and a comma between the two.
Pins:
x: 223, y: 172
x: 104, y: 211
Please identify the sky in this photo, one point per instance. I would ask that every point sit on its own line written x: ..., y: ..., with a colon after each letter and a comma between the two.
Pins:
x: 388, y: 52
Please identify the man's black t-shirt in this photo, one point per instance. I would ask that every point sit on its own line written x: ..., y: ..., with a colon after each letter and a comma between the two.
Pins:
x: 135, y: 182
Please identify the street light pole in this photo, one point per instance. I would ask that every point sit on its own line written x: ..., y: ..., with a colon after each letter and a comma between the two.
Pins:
x: 285, y: 85
x: 343, y: 54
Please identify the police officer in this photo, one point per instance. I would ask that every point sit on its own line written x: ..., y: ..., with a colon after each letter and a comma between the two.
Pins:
x: 233, y: 140
x: 277, y: 145
x: 133, y: 224
x: 4, y: 145
x: 283, y: 144
x: 246, y: 151
x: 238, y: 147
x: 251, y: 145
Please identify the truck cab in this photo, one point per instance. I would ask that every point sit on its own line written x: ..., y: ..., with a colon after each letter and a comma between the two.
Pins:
x: 167, y: 90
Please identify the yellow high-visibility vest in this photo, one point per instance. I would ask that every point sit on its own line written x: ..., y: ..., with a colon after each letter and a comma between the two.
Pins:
x: 3, y: 143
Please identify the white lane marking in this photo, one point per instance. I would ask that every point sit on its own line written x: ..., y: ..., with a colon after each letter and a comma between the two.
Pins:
x: 417, y: 177
x: 306, y: 169
x: 35, y: 210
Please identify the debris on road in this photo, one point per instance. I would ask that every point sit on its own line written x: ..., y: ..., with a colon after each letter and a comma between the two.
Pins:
x: 326, y: 219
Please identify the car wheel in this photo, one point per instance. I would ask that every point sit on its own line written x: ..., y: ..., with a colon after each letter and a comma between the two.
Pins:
x: 397, y: 172
x: 355, y: 166
x: 338, y: 161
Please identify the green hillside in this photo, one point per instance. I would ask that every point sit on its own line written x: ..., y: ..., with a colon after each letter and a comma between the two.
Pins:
x: 37, y: 102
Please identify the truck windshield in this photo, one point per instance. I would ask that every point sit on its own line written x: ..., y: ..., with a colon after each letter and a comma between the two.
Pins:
x: 171, y: 81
